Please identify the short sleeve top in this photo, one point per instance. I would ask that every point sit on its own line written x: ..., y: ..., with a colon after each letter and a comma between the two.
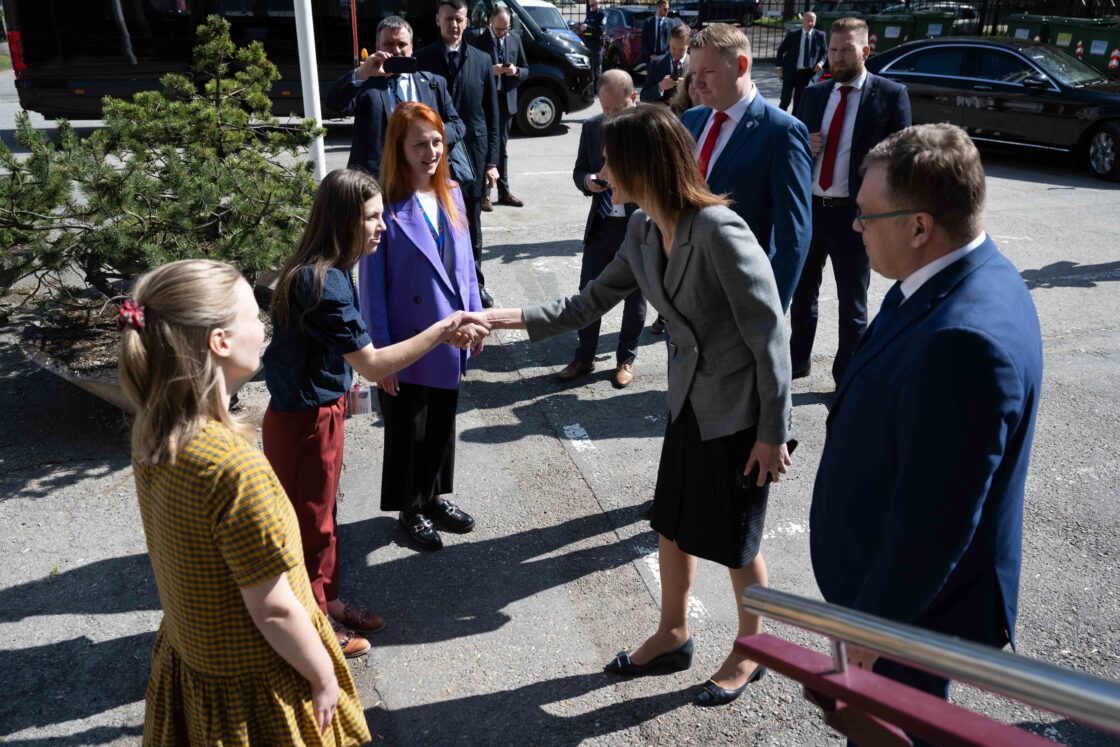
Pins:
x: 303, y: 364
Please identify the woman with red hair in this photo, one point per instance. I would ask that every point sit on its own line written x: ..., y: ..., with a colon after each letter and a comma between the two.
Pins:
x: 423, y: 272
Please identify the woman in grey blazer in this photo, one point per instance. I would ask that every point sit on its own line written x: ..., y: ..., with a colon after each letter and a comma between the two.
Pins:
x: 699, y: 265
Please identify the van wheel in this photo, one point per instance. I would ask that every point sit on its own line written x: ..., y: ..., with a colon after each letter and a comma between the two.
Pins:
x: 538, y: 111
x: 1104, y: 151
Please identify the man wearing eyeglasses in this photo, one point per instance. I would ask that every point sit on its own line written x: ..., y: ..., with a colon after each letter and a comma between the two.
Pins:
x: 917, y: 512
x: 510, y: 67
x: 846, y: 117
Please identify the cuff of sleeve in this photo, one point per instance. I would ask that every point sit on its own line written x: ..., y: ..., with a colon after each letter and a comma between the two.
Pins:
x: 773, y: 433
x: 282, y: 562
x: 533, y: 318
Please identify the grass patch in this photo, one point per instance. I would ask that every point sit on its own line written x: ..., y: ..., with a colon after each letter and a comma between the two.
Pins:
x: 5, y: 62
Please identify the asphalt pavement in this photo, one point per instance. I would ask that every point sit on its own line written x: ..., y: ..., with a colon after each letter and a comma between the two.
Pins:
x: 500, y: 638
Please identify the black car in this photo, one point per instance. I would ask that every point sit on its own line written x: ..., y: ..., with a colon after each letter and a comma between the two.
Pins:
x: 1012, y: 92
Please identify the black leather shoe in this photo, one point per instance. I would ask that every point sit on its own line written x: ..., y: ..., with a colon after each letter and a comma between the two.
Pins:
x: 658, y: 326
x: 677, y: 660
x: 420, y: 529
x: 486, y: 298
x: 802, y: 373
x: 712, y: 694
x: 447, y: 515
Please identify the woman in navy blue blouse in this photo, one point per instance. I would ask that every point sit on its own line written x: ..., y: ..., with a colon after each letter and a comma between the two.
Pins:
x: 318, y: 340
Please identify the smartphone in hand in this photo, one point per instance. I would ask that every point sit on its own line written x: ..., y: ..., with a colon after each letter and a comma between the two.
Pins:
x: 598, y: 182
x: 399, y: 65
x: 750, y: 480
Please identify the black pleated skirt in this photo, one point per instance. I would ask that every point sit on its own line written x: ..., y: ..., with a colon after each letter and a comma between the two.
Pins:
x: 698, y: 502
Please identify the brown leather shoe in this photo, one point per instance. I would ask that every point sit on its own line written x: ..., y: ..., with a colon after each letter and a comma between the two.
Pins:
x: 510, y: 200
x: 361, y: 619
x: 574, y: 370
x: 623, y: 375
x: 487, y: 206
x: 352, y: 644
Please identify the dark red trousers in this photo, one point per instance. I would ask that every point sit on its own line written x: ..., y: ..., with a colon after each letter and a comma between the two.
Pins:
x: 305, y: 450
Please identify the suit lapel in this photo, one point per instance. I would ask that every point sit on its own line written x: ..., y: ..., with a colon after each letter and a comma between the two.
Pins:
x: 818, y: 115
x: 729, y: 160
x: 407, y: 215
x: 387, y: 101
x: 680, y: 255
x: 866, y: 105
x: 932, y: 292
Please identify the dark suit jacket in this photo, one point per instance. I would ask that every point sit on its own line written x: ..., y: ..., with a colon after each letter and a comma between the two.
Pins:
x: 476, y: 99
x: 589, y: 160
x: 649, y: 45
x: 790, y: 50
x: 514, y: 55
x: 370, y: 105
x: 767, y: 168
x: 917, y: 512
x: 658, y: 69
x: 884, y: 108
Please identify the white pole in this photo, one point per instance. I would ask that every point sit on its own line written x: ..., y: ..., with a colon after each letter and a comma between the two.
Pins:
x: 309, y: 78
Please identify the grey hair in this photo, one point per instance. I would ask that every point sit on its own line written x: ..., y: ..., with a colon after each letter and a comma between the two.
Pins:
x: 396, y: 23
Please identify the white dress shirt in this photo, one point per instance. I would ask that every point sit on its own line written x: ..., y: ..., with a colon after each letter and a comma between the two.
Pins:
x: 839, y: 186
x: 915, y: 280
x: 735, y: 114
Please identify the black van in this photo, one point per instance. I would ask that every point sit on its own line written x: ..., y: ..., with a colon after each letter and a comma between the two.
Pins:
x: 68, y: 54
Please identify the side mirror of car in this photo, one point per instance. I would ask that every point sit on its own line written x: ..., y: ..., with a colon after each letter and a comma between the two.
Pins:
x: 1036, y: 82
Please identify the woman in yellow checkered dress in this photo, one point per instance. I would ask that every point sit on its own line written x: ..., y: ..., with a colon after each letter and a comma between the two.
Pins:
x: 243, y: 655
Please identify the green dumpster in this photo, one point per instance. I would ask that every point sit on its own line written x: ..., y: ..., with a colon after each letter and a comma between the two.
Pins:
x: 888, y: 30
x: 825, y: 18
x: 931, y: 23
x: 1029, y: 27
x: 1095, y: 41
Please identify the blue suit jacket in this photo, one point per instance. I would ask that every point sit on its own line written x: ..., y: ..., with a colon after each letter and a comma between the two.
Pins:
x: 884, y: 108
x: 790, y: 50
x: 650, y: 43
x: 371, y: 103
x: 767, y: 170
x: 404, y: 289
x: 917, y: 510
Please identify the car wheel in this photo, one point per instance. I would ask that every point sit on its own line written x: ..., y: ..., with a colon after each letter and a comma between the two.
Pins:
x: 1104, y: 151
x: 615, y: 60
x: 538, y: 111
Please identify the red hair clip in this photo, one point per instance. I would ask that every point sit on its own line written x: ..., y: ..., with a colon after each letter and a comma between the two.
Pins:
x: 131, y: 314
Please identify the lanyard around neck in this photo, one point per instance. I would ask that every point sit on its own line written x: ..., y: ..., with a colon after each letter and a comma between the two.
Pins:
x: 437, y: 233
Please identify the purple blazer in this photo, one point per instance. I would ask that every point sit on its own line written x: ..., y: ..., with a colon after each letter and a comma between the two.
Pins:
x: 405, y: 289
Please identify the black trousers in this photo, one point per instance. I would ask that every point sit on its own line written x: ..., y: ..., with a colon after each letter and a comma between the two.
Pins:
x: 602, y: 245
x: 474, y: 223
x: 419, y: 459
x: 503, y: 155
x: 833, y: 238
x: 792, y: 86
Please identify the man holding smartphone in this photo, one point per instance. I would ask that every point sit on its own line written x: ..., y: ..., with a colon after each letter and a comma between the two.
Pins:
x: 510, y: 67
x: 605, y: 231
x: 668, y: 69
x: 384, y: 79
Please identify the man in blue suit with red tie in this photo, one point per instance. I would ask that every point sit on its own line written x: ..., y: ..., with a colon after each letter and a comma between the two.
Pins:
x: 917, y: 512
x: 751, y: 150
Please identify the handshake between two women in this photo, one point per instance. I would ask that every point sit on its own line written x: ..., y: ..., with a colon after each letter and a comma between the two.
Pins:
x: 466, y: 330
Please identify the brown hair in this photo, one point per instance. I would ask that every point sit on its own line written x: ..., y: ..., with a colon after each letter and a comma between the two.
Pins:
x: 680, y: 31
x: 165, y: 368
x: 672, y: 179
x: 850, y: 25
x: 935, y: 168
x: 681, y: 101
x: 334, y: 237
x: 395, y: 177
x: 729, y: 40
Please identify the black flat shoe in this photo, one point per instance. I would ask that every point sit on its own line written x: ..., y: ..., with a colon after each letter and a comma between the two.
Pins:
x: 420, y: 529
x: 712, y: 694
x: 677, y: 660
x: 446, y: 515
x: 486, y: 299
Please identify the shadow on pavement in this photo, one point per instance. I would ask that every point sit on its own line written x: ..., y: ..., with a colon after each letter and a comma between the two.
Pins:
x: 70, y: 680
x: 533, y: 713
x: 510, y: 253
x: 104, y: 587
x: 1066, y: 274
x: 465, y: 588
x: 96, y: 735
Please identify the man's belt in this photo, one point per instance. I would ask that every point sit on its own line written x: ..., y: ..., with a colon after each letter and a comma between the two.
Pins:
x: 832, y: 202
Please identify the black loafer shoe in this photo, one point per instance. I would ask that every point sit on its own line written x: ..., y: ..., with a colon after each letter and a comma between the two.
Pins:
x: 677, y: 660
x: 447, y: 515
x: 486, y: 299
x: 712, y: 694
x: 420, y: 529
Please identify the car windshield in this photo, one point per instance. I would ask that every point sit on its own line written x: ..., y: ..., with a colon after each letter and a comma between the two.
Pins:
x: 637, y: 17
x: 1066, y: 68
x: 547, y: 18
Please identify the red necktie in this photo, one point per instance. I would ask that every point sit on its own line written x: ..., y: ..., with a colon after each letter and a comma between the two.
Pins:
x: 710, y: 142
x: 828, y: 168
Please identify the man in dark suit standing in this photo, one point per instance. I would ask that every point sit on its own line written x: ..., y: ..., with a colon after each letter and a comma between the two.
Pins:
x: 917, y: 512
x: 592, y: 28
x: 801, y: 55
x: 666, y: 71
x: 606, y: 228
x: 510, y: 66
x: 655, y: 32
x: 470, y: 80
x: 751, y: 150
x: 369, y: 94
x: 846, y: 117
